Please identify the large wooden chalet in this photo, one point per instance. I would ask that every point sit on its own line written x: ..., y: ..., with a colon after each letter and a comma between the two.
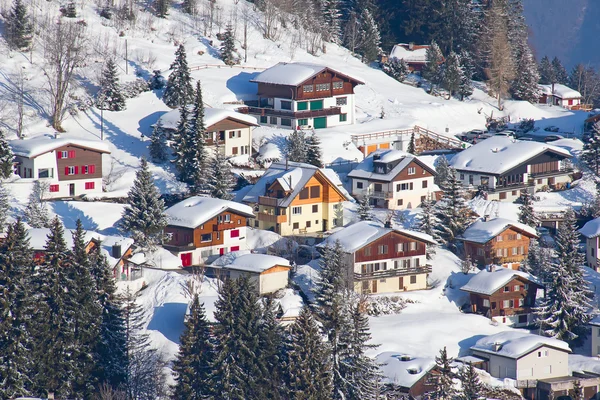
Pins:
x: 303, y: 95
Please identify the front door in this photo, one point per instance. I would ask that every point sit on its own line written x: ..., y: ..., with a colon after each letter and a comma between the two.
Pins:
x: 71, y: 189
x: 324, y: 225
x: 186, y: 259
x: 374, y: 286
x: 320, y: 122
x: 401, y: 283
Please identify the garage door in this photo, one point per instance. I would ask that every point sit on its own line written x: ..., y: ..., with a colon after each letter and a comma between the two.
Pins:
x: 371, y: 148
x: 316, y: 105
x: 320, y: 122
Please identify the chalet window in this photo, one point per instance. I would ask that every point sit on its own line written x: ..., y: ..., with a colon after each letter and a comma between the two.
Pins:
x: 402, y: 186
x: 337, y: 86
x: 400, y: 202
x: 378, y: 187
x: 486, y: 303
x: 518, y: 236
x: 90, y: 185
x: 263, y: 119
x: 303, y: 122
x: 480, y: 252
x: 521, y: 302
x: 296, y: 225
x: 307, y: 88
x: 359, y: 185
x: 302, y: 106
x: 296, y: 210
x: 413, y: 279
x: 231, y: 134
x: 485, y: 180
x: 462, y: 177
x: 206, y: 237
x: 515, y: 251
x: 499, y: 238
x: 70, y: 170
x: 63, y: 154
x: 506, y: 289
x: 315, y: 208
x: 508, y: 304
x: 286, y: 122
x: 315, y: 192
x: 382, y: 249
x: 286, y: 105
x: 227, y: 217
x: 400, y: 247
x: 45, y: 173
x: 343, y: 117
x: 341, y: 101
x: 517, y: 288
x: 384, y: 265
x: 273, y: 120
x: 413, y: 246
x: 308, y: 224
x: 417, y: 262
x: 367, y: 251
x: 304, y: 194
x: 53, y: 188
x: 470, y: 179
x: 542, y: 353
x: 412, y: 171
x: 499, y: 253
x: 424, y: 184
x: 321, y: 87
x: 406, y: 263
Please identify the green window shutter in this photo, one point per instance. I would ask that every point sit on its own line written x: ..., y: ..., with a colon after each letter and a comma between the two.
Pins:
x: 316, y: 105
x: 302, y: 105
x: 303, y: 121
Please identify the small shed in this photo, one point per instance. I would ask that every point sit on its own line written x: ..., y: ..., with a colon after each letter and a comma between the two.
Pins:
x: 270, y: 273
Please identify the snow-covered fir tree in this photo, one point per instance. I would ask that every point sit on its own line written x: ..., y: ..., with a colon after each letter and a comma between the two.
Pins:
x: 472, y: 388
x: 452, y: 74
x: 6, y: 157
x: 591, y: 149
x: 364, y: 210
x: 442, y: 167
x: 564, y: 312
x: 179, y: 91
x: 221, y: 181
x: 181, y: 147
x: 428, y: 222
x: 411, y: 145
x: 547, y: 73
x: 196, y: 153
x: 296, y: 146
x: 19, y: 29
x: 560, y: 72
x: 445, y: 379
x: 158, y: 144
x: 526, y: 214
x: 433, y: 71
x: 161, y: 8
x: 144, y: 215
x: 36, y: 213
x: 453, y: 212
x: 157, y: 81
x: 370, y: 42
x: 330, y: 10
x: 538, y: 261
x: 4, y: 205
x: 525, y: 85
x: 272, y: 352
x: 577, y: 393
x: 16, y: 309
x: 110, y: 96
x: 396, y: 68
x: 309, y: 373
x: 193, y: 366
x: 228, y: 47
x: 314, y: 154
x: 189, y: 7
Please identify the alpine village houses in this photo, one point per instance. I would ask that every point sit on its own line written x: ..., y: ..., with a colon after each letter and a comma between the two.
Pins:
x: 202, y: 228
x: 303, y: 96
x: 68, y: 167
x: 393, y: 179
x: 295, y: 198
x: 503, y: 167
x: 380, y: 259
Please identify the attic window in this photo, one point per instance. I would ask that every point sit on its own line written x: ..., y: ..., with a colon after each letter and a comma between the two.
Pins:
x: 338, y: 85
x: 412, y: 171
x: 307, y: 88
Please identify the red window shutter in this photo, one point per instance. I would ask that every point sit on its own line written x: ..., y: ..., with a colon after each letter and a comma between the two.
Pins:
x: 235, y: 233
x: 66, y: 170
x: 235, y: 248
x: 59, y: 154
x: 92, y: 169
x: 76, y: 170
x: 71, y: 153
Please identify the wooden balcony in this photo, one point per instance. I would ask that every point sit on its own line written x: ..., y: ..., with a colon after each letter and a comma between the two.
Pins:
x: 273, y: 219
x: 390, y: 273
x: 270, y: 112
x: 382, y: 195
x: 268, y: 201
x: 179, y: 247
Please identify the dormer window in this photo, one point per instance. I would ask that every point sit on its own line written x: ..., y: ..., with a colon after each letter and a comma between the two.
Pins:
x: 412, y: 171
x: 380, y: 169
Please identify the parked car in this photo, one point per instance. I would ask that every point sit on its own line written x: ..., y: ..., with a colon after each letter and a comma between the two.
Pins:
x: 552, y: 138
x: 507, y: 134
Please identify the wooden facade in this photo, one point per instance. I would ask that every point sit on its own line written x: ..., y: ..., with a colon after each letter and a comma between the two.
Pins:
x: 510, y: 246
x: 517, y: 297
x: 82, y: 157
x: 391, y: 244
x: 206, y: 235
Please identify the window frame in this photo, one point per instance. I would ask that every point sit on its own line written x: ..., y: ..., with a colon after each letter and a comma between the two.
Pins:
x: 296, y: 210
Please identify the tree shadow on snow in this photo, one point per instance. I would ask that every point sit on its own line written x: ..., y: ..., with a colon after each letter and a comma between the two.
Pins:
x: 145, y: 124
x: 168, y: 320
x: 242, y: 87
x: 70, y: 215
x: 466, y: 344
x: 452, y: 291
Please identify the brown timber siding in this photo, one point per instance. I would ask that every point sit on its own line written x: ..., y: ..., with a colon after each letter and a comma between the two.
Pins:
x: 420, y: 173
x: 391, y: 239
x: 227, y: 124
x: 496, y: 299
x: 211, y: 226
x: 82, y: 157
x: 490, y: 248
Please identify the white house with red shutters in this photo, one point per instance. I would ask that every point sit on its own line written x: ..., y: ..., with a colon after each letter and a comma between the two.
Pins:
x: 69, y: 167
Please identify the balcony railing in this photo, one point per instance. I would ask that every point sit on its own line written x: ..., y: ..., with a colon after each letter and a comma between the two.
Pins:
x: 263, y: 111
x: 382, y: 195
x: 274, y: 219
x: 560, y: 171
x: 179, y: 247
x: 390, y: 273
x: 268, y: 201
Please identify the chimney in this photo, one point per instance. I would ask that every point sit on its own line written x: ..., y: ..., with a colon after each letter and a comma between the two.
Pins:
x: 497, y: 346
x: 485, y: 218
x: 388, y: 224
x: 411, y: 46
x: 116, y: 251
x: 491, y: 268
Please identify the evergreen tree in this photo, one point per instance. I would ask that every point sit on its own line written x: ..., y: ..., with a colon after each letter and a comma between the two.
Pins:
x: 442, y: 167
x: 196, y: 153
x: 370, y: 42
x: 144, y: 216
x: 6, y: 157
x: 577, y: 393
x: 411, y: 145
x: 181, y: 147
x: 70, y: 11
x: 432, y: 71
x: 110, y: 96
x: 564, y: 312
x: 525, y: 85
x: 272, y: 353
x: 221, y: 181
x: 547, y: 73
x: 472, y: 388
x: 396, y: 68
x: 465, y: 88
x: 444, y: 386
x: 313, y: 150
x: 158, y: 144
x: 15, y: 311
x: 297, y: 147
x: 538, y: 262
x: 36, y: 212
x: 591, y: 149
x: 157, y: 81
x: 193, y: 365
x: 560, y: 72
x: 428, y: 222
x: 19, y: 30
x: 179, y: 91
x: 189, y: 7
x: 452, y: 74
x: 161, y: 7
x: 309, y: 365
x: 453, y: 212
x: 4, y: 206
x: 526, y: 214
x: 364, y: 208
x: 330, y: 10
x: 228, y: 46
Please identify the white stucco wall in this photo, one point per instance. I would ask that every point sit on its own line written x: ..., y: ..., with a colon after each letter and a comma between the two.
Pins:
x: 552, y: 365
x: 591, y: 252
x: 410, y: 198
x: 274, y: 281
x: 595, y: 336
x: 245, y: 140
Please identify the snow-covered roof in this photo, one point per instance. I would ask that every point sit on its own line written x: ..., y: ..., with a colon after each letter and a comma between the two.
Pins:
x: 591, y: 229
x: 359, y: 234
x: 299, y: 173
x: 483, y: 231
x: 500, y: 154
x: 402, y: 51
x: 560, y: 91
x: 595, y: 321
x: 39, y: 145
x: 365, y: 168
x: 212, y: 116
x: 196, y: 210
x: 257, y: 263
x: 291, y: 74
x: 402, y: 369
x: 516, y: 344
x: 489, y: 281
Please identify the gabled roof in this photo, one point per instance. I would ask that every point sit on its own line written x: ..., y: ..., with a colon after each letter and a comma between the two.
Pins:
x: 560, y: 91
x: 39, y: 145
x: 212, y: 116
x: 356, y: 236
x: 402, y: 369
x: 515, y: 344
x: 365, y: 168
x: 489, y: 281
x: 257, y: 263
x: 483, y: 231
x: 293, y: 74
x: 293, y: 177
x: 591, y: 229
x: 402, y: 51
x: 196, y: 210
x: 500, y: 154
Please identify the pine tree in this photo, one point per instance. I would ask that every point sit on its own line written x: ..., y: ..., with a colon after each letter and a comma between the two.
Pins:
x: 370, y: 41
x: 525, y: 85
x: 309, y: 365
x: 547, y: 73
x: 364, y: 208
x: 560, y: 72
x: 19, y: 30
x: 15, y: 311
x: 36, y: 212
x: 6, y: 157
x: 465, y: 88
x: 221, y: 181
x: 157, y: 81
x: 452, y: 74
x: 538, y: 262
x: 181, y: 147
x: 591, y: 149
x: 144, y: 216
x: 110, y: 96
x: 179, y: 91
x: 193, y: 365
x: 526, y: 214
x: 196, y: 146
x: 161, y: 7
x: 564, y: 312
x: 442, y: 167
x: 297, y: 146
x: 472, y: 388
x: 453, y: 212
x: 272, y: 353
x: 4, y: 206
x: 330, y: 10
x: 411, y: 145
x: 577, y: 393
x: 228, y: 46
x: 428, y: 222
x: 432, y: 71
x: 396, y: 68
x: 158, y: 144
x: 444, y: 386
x: 313, y: 150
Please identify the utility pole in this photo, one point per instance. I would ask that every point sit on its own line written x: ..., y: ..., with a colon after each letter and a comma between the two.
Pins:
x: 126, y: 59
